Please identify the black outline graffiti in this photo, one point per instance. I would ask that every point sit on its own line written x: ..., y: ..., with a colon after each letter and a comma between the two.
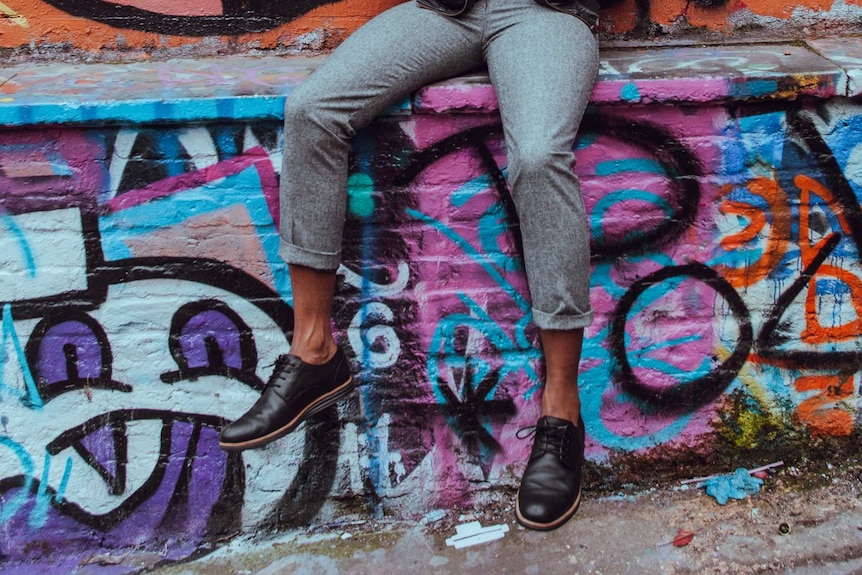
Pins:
x: 313, y: 481
x: 467, y: 415
x: 683, y: 170
x: 701, y: 391
x: 254, y: 16
x: 803, y: 126
x: 90, y: 297
x: 48, y: 390
x: 322, y: 444
x: 238, y: 17
x: 216, y: 364
x: 679, y: 163
x: 305, y: 495
x: 118, y: 420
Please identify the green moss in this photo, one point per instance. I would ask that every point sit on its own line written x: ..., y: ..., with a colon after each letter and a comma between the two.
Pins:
x: 746, y: 424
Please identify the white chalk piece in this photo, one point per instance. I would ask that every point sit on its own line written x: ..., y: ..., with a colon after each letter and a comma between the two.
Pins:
x: 473, y: 533
x: 432, y: 516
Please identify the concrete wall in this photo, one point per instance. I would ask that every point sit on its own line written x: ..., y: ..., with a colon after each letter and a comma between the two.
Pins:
x: 144, y: 303
x: 135, y: 28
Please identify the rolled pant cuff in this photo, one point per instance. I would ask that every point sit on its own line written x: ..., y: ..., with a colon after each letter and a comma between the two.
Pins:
x: 562, y: 322
x: 292, y: 254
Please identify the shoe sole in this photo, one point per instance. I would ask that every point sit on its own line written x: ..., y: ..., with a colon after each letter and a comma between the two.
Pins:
x: 551, y: 525
x: 323, y: 402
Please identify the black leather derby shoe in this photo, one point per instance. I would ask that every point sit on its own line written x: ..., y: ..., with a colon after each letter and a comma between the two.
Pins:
x: 295, y: 391
x: 551, y: 487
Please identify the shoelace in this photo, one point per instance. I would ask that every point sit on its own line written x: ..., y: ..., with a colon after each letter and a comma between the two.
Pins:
x: 283, y: 366
x: 550, y: 439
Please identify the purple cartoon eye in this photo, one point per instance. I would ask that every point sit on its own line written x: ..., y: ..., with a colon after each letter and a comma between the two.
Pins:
x: 70, y: 352
x: 209, y: 338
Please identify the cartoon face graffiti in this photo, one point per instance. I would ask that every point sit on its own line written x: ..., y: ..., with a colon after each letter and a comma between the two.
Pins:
x: 111, y: 409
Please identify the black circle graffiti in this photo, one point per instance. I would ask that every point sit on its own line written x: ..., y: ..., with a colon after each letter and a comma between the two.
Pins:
x: 679, y: 164
x: 700, y: 390
x: 235, y: 17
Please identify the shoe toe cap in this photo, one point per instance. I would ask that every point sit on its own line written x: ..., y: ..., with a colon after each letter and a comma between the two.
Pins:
x: 237, y: 432
x: 542, y: 510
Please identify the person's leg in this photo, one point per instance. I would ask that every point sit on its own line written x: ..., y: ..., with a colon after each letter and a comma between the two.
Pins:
x: 313, y: 291
x: 543, y: 67
x: 562, y: 351
x: 385, y: 60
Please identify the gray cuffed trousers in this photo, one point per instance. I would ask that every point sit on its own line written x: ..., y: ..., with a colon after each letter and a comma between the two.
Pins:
x: 542, y: 63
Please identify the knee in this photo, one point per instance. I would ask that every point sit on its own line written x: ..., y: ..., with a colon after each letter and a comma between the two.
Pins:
x: 300, y: 109
x: 539, y: 158
x: 306, y: 112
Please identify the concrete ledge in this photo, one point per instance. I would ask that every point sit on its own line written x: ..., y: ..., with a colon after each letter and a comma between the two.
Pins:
x: 246, y: 87
x: 692, y: 75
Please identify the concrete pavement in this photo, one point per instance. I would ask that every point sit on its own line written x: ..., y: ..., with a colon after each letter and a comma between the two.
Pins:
x: 612, y: 534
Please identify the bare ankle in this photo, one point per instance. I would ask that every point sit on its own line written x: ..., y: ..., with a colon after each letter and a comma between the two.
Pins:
x: 568, y: 415
x: 314, y: 354
x: 565, y: 405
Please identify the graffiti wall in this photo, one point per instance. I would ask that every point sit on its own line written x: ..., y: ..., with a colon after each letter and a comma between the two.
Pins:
x: 143, y: 305
x: 137, y: 28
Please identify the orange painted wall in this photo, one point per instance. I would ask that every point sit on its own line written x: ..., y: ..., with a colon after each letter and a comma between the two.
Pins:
x: 141, y: 26
x: 718, y: 15
x: 27, y: 22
